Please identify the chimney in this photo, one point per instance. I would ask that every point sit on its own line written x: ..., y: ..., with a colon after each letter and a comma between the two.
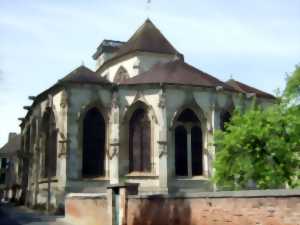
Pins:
x: 11, y: 135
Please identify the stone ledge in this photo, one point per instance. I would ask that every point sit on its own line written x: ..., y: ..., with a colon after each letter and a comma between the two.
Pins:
x: 85, y: 195
x: 279, y: 193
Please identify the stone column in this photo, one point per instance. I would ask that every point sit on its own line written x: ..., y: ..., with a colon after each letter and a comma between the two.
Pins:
x: 215, y: 125
x: 162, y: 141
x: 62, y: 140
x: 37, y: 160
x: 114, y: 147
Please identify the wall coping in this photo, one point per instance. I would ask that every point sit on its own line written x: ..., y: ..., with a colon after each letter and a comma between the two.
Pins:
x: 86, y: 195
x: 278, y: 193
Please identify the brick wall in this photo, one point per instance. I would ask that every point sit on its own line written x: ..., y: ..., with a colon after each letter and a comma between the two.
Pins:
x: 216, y: 211
x: 223, y: 208
x: 86, y: 209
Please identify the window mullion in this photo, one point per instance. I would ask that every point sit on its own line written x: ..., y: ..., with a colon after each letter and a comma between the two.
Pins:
x: 189, y: 151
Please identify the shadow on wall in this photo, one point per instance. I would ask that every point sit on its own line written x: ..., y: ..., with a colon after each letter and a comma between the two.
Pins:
x: 162, y: 211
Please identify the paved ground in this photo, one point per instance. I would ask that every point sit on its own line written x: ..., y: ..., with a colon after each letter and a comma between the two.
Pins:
x: 10, y: 215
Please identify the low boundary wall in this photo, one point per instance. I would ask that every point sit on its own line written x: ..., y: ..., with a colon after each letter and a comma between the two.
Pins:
x: 270, y: 207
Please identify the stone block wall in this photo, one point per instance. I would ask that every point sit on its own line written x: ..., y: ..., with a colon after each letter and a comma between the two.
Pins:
x: 279, y: 207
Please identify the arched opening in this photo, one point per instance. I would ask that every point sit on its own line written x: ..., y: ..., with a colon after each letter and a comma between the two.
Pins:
x: 121, y: 75
x: 188, y: 144
x: 93, y: 154
x: 139, y: 142
x: 224, y: 118
x: 181, y: 160
x: 50, y: 135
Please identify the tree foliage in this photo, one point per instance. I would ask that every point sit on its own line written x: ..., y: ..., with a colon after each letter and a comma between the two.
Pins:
x: 292, y: 90
x: 261, y: 145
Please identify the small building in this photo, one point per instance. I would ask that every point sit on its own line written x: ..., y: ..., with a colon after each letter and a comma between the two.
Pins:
x: 142, y: 116
x: 10, y: 166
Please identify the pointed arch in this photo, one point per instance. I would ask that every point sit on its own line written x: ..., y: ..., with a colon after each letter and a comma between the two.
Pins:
x: 121, y: 75
x: 194, y: 108
x: 138, y: 103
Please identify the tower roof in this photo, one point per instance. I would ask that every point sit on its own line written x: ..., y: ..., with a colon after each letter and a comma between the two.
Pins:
x: 147, y: 38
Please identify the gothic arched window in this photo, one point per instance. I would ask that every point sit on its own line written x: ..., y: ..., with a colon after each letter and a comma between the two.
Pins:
x: 139, y: 142
x: 224, y: 118
x: 188, y: 145
x: 121, y: 75
x: 50, y: 135
x: 93, y: 154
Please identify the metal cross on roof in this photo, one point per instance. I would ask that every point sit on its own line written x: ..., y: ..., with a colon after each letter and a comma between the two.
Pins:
x: 148, y: 7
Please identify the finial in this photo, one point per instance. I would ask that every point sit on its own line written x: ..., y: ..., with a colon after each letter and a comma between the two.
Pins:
x: 148, y: 8
x: 231, y: 76
x: 82, y: 63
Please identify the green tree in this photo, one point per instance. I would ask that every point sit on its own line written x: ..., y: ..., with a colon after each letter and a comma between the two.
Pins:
x: 261, y: 145
x: 292, y: 90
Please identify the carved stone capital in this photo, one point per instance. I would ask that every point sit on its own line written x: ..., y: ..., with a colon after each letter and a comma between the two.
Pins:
x: 162, y: 148
x: 113, y: 151
x: 162, y: 100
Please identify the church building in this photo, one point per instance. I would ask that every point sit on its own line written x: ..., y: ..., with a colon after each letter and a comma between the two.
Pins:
x: 142, y: 116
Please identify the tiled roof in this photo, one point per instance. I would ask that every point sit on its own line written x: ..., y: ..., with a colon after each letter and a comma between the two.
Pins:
x: 177, y: 72
x: 83, y: 74
x: 244, y: 88
x: 147, y: 38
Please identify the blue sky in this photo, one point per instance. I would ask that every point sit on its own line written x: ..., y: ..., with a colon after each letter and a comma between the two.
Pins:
x: 256, y: 42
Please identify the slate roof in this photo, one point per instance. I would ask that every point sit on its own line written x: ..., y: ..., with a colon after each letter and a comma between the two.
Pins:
x: 83, y: 74
x: 244, y: 88
x: 147, y: 38
x: 12, y: 146
x: 177, y: 72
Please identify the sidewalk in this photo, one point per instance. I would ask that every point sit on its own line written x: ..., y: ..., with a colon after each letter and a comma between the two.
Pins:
x: 19, y: 215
